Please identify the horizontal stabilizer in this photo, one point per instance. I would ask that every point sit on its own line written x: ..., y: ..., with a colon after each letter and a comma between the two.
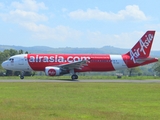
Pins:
x: 141, y: 60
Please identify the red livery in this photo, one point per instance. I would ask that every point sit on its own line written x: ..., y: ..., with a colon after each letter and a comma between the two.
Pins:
x: 60, y: 64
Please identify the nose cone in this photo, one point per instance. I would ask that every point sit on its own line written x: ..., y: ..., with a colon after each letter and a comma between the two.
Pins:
x: 4, y: 65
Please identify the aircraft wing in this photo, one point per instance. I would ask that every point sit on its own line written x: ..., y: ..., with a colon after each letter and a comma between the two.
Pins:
x: 74, y: 65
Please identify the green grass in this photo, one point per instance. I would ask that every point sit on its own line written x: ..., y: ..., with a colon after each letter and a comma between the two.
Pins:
x: 77, y: 101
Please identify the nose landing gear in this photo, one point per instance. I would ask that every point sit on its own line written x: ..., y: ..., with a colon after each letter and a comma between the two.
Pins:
x: 22, y: 75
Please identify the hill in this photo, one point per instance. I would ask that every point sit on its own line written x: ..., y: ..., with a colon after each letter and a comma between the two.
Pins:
x: 45, y: 49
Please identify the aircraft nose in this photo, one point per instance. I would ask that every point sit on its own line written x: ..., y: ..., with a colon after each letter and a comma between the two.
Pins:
x: 4, y: 65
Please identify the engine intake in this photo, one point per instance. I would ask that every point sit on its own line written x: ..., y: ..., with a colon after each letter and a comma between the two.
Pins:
x: 54, y: 71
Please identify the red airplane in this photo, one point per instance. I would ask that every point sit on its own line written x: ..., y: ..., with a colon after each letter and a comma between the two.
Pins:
x: 60, y: 64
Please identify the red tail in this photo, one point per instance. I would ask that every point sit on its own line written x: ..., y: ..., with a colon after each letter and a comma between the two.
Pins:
x: 142, y: 48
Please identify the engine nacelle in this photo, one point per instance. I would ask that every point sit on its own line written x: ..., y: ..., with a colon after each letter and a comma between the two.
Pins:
x: 52, y: 71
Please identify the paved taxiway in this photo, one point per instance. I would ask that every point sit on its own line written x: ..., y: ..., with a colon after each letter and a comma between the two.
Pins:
x: 107, y: 81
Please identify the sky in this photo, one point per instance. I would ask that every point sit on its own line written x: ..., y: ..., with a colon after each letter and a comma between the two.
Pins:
x: 78, y: 23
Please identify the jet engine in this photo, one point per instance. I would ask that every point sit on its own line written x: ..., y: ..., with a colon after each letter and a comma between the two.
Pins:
x: 54, y: 71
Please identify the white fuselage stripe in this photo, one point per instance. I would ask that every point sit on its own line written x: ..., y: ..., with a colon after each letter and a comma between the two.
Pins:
x: 118, y: 62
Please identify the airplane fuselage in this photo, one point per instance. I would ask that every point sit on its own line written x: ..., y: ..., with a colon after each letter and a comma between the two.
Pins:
x: 96, y: 62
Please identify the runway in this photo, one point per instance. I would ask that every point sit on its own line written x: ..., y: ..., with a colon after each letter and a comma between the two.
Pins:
x: 83, y: 81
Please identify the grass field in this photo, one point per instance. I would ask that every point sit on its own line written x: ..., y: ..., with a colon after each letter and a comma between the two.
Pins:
x: 77, y: 101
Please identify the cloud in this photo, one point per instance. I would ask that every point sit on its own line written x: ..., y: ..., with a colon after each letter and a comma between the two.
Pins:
x: 28, y: 5
x: 19, y: 16
x: 26, y: 14
x: 134, y: 12
x: 25, y: 11
x: 131, y: 11
x: 59, y: 33
x: 121, y: 40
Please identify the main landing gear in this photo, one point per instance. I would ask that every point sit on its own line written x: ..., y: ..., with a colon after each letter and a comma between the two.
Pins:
x: 74, y: 76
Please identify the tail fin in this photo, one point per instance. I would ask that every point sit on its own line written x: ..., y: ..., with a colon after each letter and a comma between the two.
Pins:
x: 142, y: 48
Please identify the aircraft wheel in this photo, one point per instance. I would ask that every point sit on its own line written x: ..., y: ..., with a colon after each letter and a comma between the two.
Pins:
x: 21, y: 77
x: 74, y: 77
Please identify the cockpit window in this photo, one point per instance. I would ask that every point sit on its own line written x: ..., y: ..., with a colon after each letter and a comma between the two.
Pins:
x: 11, y: 59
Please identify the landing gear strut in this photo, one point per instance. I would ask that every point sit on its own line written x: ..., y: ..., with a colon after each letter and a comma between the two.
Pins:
x: 74, y: 76
x: 22, y: 75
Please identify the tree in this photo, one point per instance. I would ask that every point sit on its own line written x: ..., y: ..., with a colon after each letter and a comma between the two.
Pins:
x: 20, y: 52
x: 134, y: 71
x: 9, y: 72
x: 10, y: 52
x: 26, y: 52
x: 156, y: 67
